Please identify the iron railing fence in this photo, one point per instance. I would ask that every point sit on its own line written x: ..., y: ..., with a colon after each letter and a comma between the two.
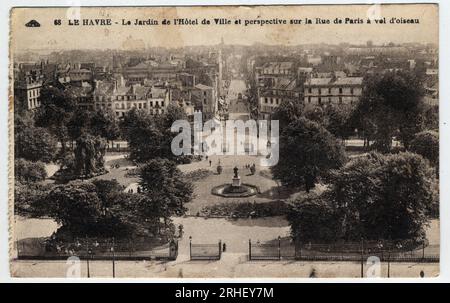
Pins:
x: 395, y: 251
x: 105, y: 249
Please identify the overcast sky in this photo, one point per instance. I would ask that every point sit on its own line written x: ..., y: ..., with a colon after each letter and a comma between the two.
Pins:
x: 117, y: 36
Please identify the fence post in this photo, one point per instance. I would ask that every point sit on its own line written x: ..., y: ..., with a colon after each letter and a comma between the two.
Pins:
x: 113, y: 259
x: 279, y: 248
x: 423, y: 250
x: 389, y: 262
x: 300, y: 250
x: 250, y: 249
x: 362, y: 257
x: 190, y: 247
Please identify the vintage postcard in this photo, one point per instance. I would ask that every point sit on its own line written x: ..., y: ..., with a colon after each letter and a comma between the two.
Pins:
x: 294, y: 141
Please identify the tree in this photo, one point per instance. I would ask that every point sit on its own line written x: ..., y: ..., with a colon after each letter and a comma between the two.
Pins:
x: 164, y: 183
x: 149, y: 136
x: 172, y: 114
x: 89, y: 153
x: 338, y: 121
x: 426, y: 144
x: 393, y: 104
x: 33, y: 143
x: 106, y: 192
x: 141, y: 213
x: 384, y: 197
x: 307, y: 151
x: 287, y: 112
x: 312, y: 219
x: 79, y: 123
x: 75, y: 206
x: 28, y: 171
x: 314, y: 113
x: 431, y: 117
x: 144, y: 137
x: 30, y: 198
x: 55, y: 111
x: 104, y: 124
x: 86, y: 161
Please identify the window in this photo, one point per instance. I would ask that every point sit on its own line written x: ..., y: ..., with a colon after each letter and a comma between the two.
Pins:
x: 351, y: 90
x: 162, y: 103
x: 266, y: 101
x: 340, y: 90
x: 329, y: 90
x: 340, y: 100
x: 309, y: 90
x: 319, y: 101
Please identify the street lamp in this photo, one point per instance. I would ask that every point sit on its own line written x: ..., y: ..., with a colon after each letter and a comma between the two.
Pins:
x: 190, y: 247
x: 87, y: 262
x: 113, y: 259
x: 279, y: 248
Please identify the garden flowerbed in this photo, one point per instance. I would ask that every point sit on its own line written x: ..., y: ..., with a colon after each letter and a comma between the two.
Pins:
x: 245, y: 209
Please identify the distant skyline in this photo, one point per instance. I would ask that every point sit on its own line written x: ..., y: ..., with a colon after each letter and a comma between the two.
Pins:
x: 116, y: 36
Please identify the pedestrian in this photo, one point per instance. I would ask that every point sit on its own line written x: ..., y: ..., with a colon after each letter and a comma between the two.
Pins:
x: 224, y: 247
x: 210, y: 162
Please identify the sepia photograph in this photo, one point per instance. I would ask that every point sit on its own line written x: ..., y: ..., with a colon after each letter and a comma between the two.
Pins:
x: 272, y: 141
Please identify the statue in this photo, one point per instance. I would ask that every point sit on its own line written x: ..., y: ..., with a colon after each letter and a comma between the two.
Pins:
x: 235, y: 169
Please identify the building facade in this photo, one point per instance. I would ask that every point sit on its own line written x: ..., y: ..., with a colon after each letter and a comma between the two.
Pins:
x: 332, y: 91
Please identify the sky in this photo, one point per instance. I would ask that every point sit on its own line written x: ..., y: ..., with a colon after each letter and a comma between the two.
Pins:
x: 54, y: 36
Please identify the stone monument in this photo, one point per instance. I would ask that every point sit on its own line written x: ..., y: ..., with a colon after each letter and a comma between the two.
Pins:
x: 236, y: 179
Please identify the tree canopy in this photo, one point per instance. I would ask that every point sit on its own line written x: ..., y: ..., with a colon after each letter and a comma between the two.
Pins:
x: 163, y: 182
x: 149, y: 136
x: 376, y: 197
x: 426, y: 144
x: 307, y: 151
x: 391, y: 105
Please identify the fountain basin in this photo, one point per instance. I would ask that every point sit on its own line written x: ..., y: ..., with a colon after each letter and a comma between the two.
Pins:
x: 230, y: 191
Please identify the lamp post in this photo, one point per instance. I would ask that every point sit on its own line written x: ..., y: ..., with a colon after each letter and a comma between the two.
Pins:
x: 279, y: 248
x: 190, y: 247
x: 87, y: 262
x: 362, y: 257
x: 113, y: 259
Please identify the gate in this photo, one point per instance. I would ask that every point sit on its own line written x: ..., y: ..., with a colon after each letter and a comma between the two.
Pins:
x: 205, y: 251
x: 280, y: 249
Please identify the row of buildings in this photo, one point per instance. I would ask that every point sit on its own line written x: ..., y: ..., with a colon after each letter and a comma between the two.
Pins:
x: 334, y: 78
x: 279, y: 82
x: 149, y: 84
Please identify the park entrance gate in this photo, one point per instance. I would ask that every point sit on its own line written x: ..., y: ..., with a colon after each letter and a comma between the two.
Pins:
x: 205, y: 251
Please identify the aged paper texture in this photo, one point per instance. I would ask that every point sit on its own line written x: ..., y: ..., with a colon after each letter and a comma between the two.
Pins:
x: 224, y: 141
